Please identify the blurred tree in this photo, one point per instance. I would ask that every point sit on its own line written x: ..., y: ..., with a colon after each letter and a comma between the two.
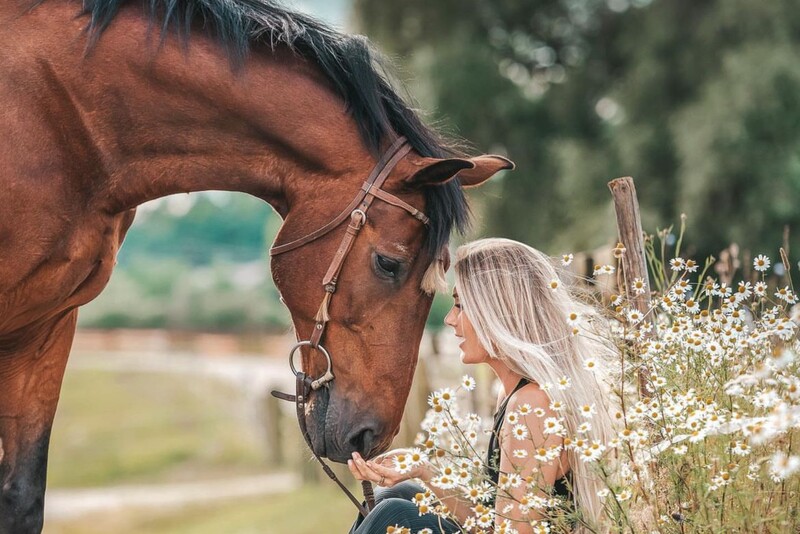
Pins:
x: 199, y: 229
x: 698, y: 101
x: 194, y: 262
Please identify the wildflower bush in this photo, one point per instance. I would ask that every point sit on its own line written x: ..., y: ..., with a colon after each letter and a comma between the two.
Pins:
x: 706, y: 381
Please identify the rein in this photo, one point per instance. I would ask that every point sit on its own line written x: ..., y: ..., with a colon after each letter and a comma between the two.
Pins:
x: 356, y: 211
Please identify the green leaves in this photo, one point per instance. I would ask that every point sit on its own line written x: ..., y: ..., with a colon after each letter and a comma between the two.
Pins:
x: 696, y: 100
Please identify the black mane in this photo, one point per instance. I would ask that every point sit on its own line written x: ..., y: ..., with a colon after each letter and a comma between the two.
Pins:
x: 348, y: 61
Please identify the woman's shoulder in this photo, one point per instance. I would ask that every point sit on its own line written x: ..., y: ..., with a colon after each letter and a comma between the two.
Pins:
x: 530, y: 394
x: 531, y: 408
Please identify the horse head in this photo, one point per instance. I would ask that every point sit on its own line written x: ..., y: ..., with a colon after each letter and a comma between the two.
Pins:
x: 374, y: 314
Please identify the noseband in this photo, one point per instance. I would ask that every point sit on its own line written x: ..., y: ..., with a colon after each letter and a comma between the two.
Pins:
x: 356, y: 211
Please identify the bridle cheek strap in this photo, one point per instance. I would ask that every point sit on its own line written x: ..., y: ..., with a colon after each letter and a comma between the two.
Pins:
x: 385, y: 165
x: 331, y: 277
x: 370, y: 190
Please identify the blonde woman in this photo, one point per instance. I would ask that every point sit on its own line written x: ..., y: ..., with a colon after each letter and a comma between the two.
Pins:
x: 512, y: 312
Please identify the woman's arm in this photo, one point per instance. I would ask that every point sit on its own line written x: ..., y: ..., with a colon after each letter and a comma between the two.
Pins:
x: 380, y: 471
x: 517, y: 456
x: 523, y: 445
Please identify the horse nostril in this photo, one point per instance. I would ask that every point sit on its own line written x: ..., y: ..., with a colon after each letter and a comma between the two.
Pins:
x: 361, y: 440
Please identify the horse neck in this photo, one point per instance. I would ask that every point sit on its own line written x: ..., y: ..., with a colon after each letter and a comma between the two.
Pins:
x: 178, y: 119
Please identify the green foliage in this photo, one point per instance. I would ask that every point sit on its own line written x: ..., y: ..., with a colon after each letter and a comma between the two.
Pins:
x: 696, y: 100
x: 220, y: 297
x: 217, y: 227
x: 201, y: 269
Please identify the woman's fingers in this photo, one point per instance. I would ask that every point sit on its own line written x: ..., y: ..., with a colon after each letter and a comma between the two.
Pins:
x: 359, y: 469
x: 376, y: 471
x: 351, y: 464
x: 365, y: 471
x: 385, y: 461
x: 381, y: 470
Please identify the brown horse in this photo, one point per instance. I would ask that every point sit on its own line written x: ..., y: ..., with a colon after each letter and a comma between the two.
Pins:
x: 108, y: 104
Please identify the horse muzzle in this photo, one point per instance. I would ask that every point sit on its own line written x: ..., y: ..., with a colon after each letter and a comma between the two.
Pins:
x: 333, y: 425
x: 350, y: 428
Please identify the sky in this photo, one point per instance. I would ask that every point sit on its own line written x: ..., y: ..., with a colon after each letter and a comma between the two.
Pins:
x: 334, y: 12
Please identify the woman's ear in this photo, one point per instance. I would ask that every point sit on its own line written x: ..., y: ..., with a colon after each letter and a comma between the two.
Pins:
x: 471, y: 172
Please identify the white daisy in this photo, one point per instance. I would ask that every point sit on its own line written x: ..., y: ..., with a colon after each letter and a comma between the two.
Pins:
x: 467, y: 382
x: 761, y: 263
x: 520, y: 432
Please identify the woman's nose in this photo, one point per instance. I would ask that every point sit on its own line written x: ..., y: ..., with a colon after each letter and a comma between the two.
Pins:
x: 450, y: 318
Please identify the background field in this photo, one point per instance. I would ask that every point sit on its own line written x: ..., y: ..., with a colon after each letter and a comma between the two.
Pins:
x: 121, y: 429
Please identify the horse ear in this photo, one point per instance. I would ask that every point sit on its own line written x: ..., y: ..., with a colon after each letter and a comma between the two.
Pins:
x: 484, y: 168
x: 471, y: 172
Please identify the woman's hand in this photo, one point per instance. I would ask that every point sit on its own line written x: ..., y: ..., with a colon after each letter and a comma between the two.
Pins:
x: 381, y: 472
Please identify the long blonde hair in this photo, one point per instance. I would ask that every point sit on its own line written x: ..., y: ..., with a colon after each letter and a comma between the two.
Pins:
x: 505, y: 290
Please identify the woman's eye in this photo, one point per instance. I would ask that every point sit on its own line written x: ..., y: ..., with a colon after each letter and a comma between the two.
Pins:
x: 387, y: 266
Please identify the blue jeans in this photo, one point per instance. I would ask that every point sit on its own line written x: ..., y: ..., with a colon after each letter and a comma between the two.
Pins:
x: 394, y: 507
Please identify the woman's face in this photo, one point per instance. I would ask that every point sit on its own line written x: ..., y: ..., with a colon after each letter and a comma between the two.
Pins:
x: 471, y: 349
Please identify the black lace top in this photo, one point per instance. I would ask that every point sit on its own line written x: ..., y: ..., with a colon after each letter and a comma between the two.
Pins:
x: 561, y: 487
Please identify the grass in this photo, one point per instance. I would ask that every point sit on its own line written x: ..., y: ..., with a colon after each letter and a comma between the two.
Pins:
x: 116, y: 428
x: 310, y: 510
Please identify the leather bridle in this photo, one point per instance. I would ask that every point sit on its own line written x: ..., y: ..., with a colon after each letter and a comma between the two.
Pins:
x: 356, y: 211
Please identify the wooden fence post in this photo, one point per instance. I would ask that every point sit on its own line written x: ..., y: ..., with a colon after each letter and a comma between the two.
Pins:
x: 634, y: 262
x: 274, y: 421
x: 273, y: 429
x: 629, y: 223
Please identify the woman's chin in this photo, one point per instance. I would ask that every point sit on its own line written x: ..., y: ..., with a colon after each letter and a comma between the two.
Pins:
x: 466, y: 359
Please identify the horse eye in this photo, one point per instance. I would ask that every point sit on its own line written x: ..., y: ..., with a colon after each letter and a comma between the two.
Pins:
x: 386, y: 266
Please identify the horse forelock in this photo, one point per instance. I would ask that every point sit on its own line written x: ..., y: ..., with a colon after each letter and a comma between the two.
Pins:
x: 434, y: 281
